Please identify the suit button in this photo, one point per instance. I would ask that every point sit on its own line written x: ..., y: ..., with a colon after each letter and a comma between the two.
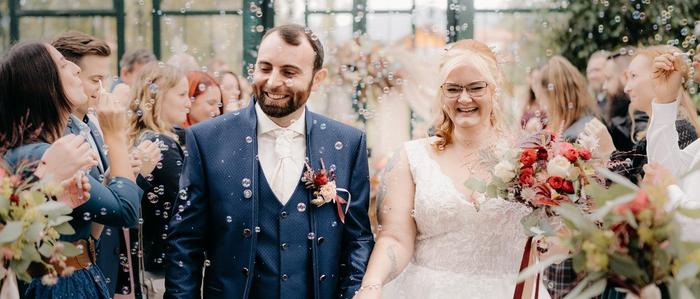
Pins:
x: 320, y: 240
x: 285, y: 246
x: 284, y: 214
x: 322, y: 278
x: 247, y: 232
x: 285, y: 277
x: 245, y: 271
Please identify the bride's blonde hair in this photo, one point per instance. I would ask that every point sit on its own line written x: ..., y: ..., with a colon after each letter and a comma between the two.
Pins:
x: 480, y: 56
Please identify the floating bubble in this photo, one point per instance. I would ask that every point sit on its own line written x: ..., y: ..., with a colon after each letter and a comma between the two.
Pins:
x: 301, y: 207
x: 246, y: 183
x: 247, y: 193
x: 103, y: 211
x: 311, y: 236
x: 248, y: 139
x: 338, y: 145
x: 229, y: 219
x: 86, y: 216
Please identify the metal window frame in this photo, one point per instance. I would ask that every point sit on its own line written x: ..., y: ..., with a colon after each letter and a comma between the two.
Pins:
x: 117, y: 11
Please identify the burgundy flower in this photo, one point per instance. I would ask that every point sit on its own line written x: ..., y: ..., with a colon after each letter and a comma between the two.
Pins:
x: 527, y: 176
x: 321, y: 178
x: 567, y: 187
x: 542, y: 154
x: 14, y: 198
x: 584, y: 154
x: 555, y: 182
x: 568, y: 151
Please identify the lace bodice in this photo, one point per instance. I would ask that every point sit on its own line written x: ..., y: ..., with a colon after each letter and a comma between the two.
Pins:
x: 452, y: 234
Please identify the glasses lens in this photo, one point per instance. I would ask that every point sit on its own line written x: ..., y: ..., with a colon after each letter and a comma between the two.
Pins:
x: 477, y: 89
x: 451, y: 90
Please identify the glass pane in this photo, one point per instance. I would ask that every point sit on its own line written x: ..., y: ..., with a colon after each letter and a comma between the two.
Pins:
x: 47, y: 28
x: 201, y: 4
x: 290, y: 11
x: 138, y: 29
x: 206, y: 38
x: 4, y: 27
x: 389, y: 5
x: 332, y: 28
x: 330, y: 4
x: 503, y: 4
x: 63, y: 5
x: 389, y: 28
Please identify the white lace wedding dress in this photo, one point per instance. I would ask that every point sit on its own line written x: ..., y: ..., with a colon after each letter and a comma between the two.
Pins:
x: 459, y: 252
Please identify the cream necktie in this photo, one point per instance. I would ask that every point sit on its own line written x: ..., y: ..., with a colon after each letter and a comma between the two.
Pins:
x: 285, y: 164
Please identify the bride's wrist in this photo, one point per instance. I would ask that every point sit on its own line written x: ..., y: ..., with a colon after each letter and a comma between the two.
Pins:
x: 369, y: 287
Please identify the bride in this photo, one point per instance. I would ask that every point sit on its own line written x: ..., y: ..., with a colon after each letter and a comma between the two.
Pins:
x: 433, y: 242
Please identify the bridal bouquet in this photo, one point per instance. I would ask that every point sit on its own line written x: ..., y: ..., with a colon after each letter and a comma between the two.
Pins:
x: 30, y: 225
x: 633, y: 241
x: 541, y: 172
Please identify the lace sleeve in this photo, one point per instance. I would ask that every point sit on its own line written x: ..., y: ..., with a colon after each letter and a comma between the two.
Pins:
x: 686, y: 133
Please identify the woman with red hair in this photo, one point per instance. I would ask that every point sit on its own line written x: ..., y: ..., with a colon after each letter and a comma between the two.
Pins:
x: 205, y: 95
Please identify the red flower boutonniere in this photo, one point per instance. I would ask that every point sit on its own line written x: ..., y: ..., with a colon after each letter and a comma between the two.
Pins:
x: 322, y: 184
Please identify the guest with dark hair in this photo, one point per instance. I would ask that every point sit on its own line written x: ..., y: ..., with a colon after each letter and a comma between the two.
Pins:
x: 131, y: 62
x: 37, y: 81
x: 205, y: 94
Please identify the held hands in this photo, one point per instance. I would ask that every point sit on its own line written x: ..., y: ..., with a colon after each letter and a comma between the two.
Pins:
x: 147, y: 155
x: 65, y: 157
x: 596, y: 130
x: 668, y: 78
x: 76, y: 191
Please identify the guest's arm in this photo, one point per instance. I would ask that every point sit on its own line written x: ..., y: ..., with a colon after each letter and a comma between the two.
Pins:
x: 662, y: 136
x: 185, y: 250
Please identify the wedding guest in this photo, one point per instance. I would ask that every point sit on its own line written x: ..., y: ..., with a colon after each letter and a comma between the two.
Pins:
x: 160, y: 104
x: 92, y: 55
x: 183, y: 61
x: 565, y: 97
x: 205, y: 95
x: 669, y: 74
x: 595, y: 74
x: 231, y: 91
x: 534, y: 117
x: 130, y: 64
x: 50, y: 102
x: 623, y: 125
x: 640, y: 89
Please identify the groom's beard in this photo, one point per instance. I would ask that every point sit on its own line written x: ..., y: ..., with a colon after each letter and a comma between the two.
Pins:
x: 278, y: 108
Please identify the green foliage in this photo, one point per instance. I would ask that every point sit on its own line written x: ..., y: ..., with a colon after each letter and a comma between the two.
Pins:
x: 610, y: 24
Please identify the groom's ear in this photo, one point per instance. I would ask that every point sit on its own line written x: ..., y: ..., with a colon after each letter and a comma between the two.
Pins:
x: 318, y: 78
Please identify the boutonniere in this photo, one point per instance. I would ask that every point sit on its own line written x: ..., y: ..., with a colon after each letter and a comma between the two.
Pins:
x: 322, y: 185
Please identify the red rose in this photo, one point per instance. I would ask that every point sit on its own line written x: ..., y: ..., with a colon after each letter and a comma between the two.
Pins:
x: 568, y: 151
x: 527, y: 176
x: 14, y: 198
x: 567, y: 187
x: 638, y: 204
x: 584, y: 154
x: 542, y: 154
x: 555, y: 182
x: 528, y: 157
x: 321, y: 178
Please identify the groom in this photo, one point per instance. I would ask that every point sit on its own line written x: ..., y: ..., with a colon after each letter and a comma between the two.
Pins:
x: 247, y: 211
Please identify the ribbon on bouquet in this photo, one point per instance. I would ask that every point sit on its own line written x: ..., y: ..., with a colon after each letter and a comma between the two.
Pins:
x: 339, y: 202
x: 9, y: 289
x: 524, y: 262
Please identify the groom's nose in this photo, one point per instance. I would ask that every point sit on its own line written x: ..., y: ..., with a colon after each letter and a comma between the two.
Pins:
x: 275, y: 80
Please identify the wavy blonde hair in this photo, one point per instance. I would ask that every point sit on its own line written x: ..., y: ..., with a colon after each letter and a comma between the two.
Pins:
x: 568, y: 97
x: 151, y: 84
x: 480, y: 56
x: 688, y: 109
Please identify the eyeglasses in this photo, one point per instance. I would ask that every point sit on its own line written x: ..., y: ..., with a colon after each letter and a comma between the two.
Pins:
x: 475, y: 89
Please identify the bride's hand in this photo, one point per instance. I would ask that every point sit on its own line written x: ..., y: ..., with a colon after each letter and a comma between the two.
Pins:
x: 369, y: 294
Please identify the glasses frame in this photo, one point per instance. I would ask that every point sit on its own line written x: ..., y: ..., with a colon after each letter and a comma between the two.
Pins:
x: 469, y: 90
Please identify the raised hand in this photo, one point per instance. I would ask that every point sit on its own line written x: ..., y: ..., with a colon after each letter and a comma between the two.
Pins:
x: 76, y: 190
x: 667, y: 73
x: 65, y: 157
x: 112, y: 116
x: 149, y: 155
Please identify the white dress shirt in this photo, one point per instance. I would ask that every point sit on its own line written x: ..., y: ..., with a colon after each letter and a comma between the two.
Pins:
x: 268, y: 155
x: 662, y: 148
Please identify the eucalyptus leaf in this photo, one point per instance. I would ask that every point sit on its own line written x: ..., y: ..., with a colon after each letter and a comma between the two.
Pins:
x: 46, y: 249
x: 601, y: 212
x: 60, y: 220
x: 65, y: 229
x: 583, y: 284
x: 30, y: 253
x: 70, y: 249
x: 616, y: 178
x: 627, y: 267
x: 594, y: 290
x: 11, y: 231
x: 33, y: 233
x: 475, y: 185
x: 53, y: 209
x: 575, y: 216
x: 539, y: 267
x: 692, y: 213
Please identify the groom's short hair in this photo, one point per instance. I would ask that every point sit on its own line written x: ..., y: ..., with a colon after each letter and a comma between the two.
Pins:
x: 292, y: 33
